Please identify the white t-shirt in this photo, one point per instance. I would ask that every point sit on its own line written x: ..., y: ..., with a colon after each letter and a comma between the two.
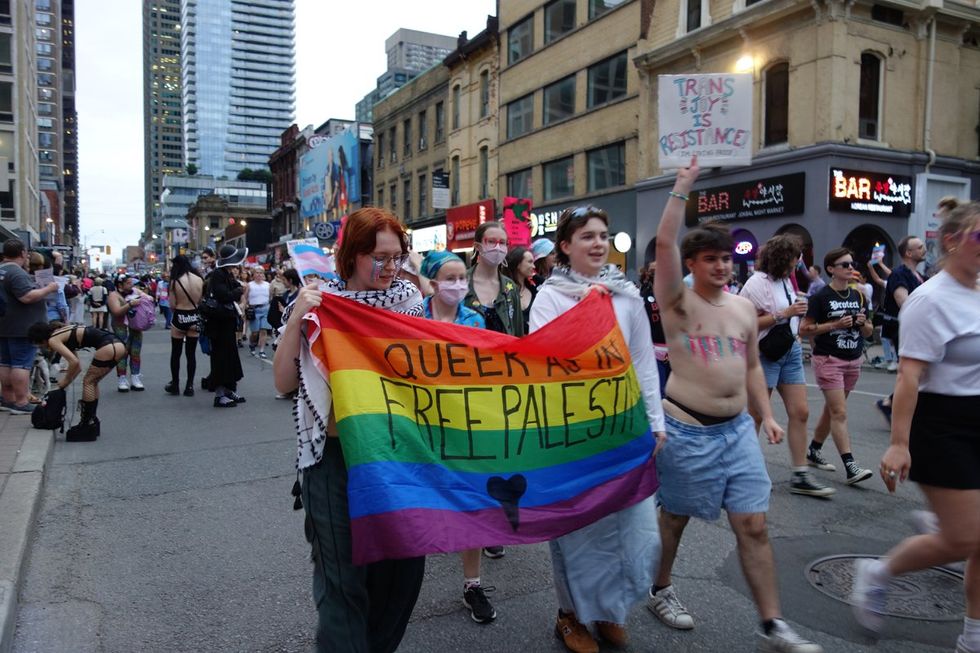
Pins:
x: 258, y: 293
x: 633, y: 322
x: 940, y: 324
x: 770, y: 296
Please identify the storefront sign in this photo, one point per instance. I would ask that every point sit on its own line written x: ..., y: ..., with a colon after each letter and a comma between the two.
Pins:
x: 429, y: 238
x: 544, y: 222
x: 854, y: 191
x: 705, y: 115
x: 759, y: 198
x: 462, y: 221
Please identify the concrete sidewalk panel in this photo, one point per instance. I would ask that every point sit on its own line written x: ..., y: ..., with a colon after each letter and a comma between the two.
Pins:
x: 35, y: 454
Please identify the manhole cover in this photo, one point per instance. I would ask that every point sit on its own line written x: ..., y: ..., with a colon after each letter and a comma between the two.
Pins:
x: 931, y: 595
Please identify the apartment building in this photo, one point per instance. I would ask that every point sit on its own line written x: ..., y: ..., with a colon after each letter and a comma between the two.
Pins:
x: 865, y: 113
x: 569, y: 100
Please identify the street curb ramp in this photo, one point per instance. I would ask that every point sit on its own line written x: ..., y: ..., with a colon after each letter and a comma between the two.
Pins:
x: 19, y: 501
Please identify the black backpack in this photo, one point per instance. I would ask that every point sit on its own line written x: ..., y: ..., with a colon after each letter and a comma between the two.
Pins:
x: 49, y: 415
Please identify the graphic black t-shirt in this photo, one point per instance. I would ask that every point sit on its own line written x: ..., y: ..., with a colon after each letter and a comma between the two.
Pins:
x: 829, y: 305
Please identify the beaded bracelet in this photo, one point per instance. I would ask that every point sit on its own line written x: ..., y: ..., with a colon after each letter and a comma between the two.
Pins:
x: 683, y: 198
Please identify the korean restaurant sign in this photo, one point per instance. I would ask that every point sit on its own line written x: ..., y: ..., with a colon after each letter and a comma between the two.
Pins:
x: 854, y: 191
x: 708, y: 115
x: 760, y: 198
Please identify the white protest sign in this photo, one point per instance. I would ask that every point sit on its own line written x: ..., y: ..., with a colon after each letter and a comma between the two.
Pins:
x: 709, y: 115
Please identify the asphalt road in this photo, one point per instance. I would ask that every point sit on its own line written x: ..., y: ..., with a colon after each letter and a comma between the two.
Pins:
x: 175, y: 532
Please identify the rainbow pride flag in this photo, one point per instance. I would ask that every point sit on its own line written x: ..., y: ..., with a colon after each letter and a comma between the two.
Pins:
x: 457, y: 438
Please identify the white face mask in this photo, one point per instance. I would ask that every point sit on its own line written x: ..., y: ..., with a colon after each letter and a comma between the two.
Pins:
x: 453, y: 292
x: 494, y: 256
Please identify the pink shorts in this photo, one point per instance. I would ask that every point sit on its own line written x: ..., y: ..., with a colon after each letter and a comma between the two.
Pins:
x: 836, y: 373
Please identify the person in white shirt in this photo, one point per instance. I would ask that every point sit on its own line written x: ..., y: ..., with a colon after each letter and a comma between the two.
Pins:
x: 935, y: 427
x: 588, y: 588
x: 256, y: 302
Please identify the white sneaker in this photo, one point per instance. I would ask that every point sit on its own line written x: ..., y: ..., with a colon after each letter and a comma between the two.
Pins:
x: 136, y: 382
x: 961, y: 646
x: 868, y: 599
x: 784, y: 639
x: 123, y: 384
x: 669, y: 609
x: 892, y: 366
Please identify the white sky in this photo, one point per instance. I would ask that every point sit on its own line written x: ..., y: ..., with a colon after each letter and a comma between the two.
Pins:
x: 339, y: 55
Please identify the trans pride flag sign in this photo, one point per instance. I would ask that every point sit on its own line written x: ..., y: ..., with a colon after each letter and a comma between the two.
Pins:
x: 310, y: 260
x: 457, y: 438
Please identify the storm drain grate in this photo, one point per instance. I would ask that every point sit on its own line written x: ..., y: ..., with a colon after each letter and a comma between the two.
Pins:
x: 931, y: 595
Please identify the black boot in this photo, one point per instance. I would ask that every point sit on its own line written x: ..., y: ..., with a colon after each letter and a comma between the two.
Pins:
x: 88, y: 427
x: 172, y: 388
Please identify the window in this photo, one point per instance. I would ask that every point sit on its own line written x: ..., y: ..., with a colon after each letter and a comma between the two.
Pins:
x: 607, y: 80
x: 456, y: 95
x: 607, y: 167
x: 454, y: 181
x: 423, y: 197
x: 407, y: 137
x: 4, y: 12
x: 559, y: 19
x: 519, y: 183
x: 520, y: 40
x: 407, y: 194
x: 777, y: 104
x: 559, y: 179
x: 380, y: 149
x: 392, y: 146
x: 423, y: 131
x: 888, y: 15
x: 6, y: 101
x: 393, y: 194
x: 520, y: 114
x: 484, y: 172
x: 440, y: 122
x: 870, y: 96
x: 599, y: 7
x: 381, y: 198
x: 559, y: 100
x: 692, y: 18
x: 484, y: 93
x: 6, y: 63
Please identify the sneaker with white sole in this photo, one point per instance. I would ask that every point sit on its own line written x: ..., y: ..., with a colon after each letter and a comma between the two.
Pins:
x: 868, y: 598
x: 481, y: 610
x: 136, y: 382
x: 892, y: 366
x: 856, y: 473
x: 783, y: 639
x: 961, y: 646
x: 814, y: 458
x: 803, y: 483
x: 669, y: 609
x: 123, y: 385
x: 23, y: 409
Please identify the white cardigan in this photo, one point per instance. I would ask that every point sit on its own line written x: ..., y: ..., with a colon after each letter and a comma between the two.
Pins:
x: 550, y: 303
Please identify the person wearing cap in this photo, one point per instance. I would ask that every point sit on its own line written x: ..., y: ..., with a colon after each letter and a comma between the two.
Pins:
x: 544, y: 259
x: 226, y: 366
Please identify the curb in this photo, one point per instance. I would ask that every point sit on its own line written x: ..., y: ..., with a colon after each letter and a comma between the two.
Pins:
x: 19, y: 503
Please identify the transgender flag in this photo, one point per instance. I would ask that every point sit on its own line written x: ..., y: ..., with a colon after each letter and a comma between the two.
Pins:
x: 310, y: 260
x: 457, y: 438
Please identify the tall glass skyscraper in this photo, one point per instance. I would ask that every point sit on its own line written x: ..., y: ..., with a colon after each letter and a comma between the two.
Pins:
x: 238, y: 78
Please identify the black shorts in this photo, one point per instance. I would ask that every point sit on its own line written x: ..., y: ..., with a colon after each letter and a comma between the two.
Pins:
x: 945, y: 441
x: 185, y: 320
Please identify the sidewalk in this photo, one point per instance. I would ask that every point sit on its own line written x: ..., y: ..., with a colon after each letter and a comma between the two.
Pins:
x: 24, y: 455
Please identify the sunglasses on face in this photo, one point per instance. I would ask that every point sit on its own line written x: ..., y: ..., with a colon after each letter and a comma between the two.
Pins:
x: 586, y: 212
x: 844, y: 264
x: 382, y: 262
x: 975, y: 236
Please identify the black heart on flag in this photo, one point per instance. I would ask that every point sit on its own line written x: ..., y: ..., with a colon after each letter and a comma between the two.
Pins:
x: 508, y: 492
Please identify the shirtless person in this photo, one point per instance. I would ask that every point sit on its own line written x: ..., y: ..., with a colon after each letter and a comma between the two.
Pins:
x: 186, y: 288
x: 712, y: 459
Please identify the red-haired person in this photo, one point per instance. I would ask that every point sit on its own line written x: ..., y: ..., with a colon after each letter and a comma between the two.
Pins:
x: 361, y: 608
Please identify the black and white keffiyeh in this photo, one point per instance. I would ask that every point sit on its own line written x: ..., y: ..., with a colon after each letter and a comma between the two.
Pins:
x: 313, y: 398
x: 569, y: 282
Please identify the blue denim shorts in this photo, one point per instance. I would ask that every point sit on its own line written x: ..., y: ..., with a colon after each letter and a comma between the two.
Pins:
x: 788, y: 370
x: 261, y: 320
x: 17, y: 353
x: 703, y: 469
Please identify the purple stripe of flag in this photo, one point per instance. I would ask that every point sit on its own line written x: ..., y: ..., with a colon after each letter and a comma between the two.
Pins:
x: 400, y: 533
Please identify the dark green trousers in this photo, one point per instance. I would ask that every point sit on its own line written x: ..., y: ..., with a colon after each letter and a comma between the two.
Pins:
x: 362, y: 609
